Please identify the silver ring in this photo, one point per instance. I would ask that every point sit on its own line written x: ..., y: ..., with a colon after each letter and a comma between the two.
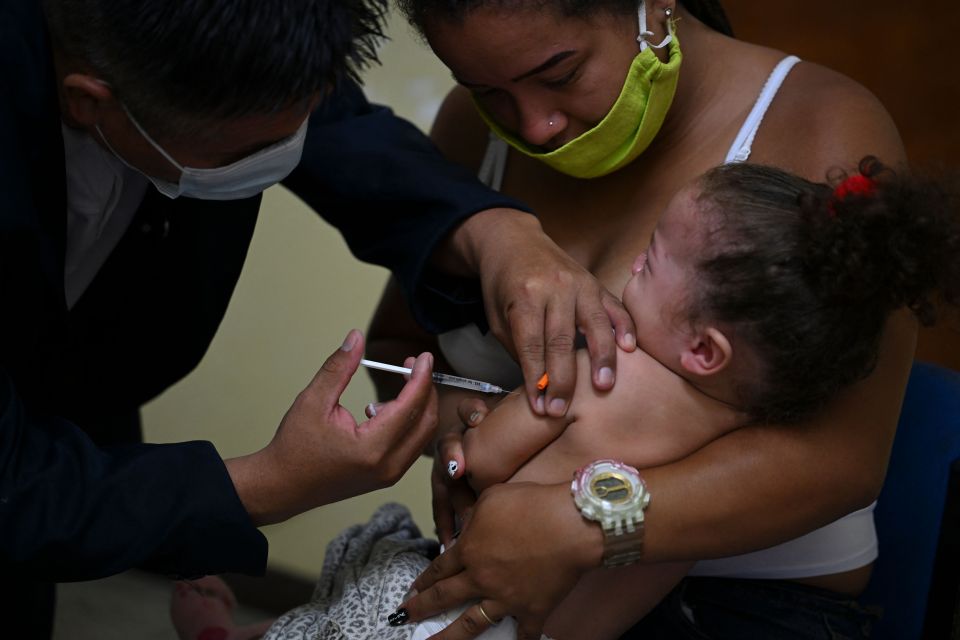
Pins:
x: 485, y: 616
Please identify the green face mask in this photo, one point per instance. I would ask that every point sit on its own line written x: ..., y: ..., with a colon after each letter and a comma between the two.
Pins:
x: 629, y: 127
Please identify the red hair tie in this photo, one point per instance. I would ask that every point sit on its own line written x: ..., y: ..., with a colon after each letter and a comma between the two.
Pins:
x: 855, y: 185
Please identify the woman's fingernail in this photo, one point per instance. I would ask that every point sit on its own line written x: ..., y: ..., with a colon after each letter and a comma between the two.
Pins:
x: 629, y: 340
x: 605, y: 376
x: 540, y: 405
x: 350, y: 341
x: 558, y: 406
x: 452, y: 467
x: 371, y: 410
x: 474, y: 417
x: 398, y: 618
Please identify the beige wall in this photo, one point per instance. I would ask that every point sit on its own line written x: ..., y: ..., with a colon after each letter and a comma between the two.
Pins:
x: 299, y: 294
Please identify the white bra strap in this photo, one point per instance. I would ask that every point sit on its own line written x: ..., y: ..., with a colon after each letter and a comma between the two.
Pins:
x: 742, y: 145
x: 494, y: 162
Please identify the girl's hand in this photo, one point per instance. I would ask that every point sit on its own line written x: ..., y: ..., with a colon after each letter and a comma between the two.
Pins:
x: 452, y: 496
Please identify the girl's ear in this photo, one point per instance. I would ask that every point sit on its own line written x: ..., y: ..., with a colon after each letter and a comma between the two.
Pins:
x: 708, y: 352
x: 85, y: 96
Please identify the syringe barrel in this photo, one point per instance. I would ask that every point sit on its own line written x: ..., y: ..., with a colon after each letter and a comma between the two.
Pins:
x: 466, y: 383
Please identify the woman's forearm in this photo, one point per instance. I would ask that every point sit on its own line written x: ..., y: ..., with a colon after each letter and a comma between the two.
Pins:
x: 760, y: 486
x: 763, y: 485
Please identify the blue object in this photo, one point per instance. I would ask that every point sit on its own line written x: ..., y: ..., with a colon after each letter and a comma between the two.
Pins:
x: 916, y: 579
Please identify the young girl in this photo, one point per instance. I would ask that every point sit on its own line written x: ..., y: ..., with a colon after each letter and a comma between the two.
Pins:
x: 761, y: 296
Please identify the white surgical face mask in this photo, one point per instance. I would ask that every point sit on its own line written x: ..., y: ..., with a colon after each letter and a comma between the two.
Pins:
x: 242, y: 179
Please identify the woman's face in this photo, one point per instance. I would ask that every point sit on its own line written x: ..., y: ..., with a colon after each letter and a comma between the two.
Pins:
x: 530, y: 68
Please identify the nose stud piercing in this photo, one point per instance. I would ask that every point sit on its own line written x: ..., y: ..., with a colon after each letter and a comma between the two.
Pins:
x: 550, y: 123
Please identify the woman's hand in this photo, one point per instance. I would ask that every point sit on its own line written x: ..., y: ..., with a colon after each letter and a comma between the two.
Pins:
x: 537, y: 299
x: 522, y: 549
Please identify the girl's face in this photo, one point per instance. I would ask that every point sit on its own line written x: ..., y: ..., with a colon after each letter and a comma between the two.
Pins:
x: 530, y: 68
x: 657, y: 294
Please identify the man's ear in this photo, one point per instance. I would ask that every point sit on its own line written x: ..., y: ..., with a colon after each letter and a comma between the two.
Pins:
x: 85, y: 96
x: 708, y: 352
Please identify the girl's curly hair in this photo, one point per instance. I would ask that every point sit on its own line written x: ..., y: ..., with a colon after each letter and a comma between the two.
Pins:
x: 808, y: 273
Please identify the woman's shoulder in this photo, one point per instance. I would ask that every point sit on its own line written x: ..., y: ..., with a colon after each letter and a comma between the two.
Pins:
x: 459, y: 131
x: 822, y: 119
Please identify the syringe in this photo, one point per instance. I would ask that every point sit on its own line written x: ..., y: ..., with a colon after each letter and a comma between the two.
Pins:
x: 439, y: 378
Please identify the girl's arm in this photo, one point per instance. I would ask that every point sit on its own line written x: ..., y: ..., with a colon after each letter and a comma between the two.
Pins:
x: 509, y: 436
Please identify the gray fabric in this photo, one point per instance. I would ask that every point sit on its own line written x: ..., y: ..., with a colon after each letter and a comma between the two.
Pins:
x: 366, y: 574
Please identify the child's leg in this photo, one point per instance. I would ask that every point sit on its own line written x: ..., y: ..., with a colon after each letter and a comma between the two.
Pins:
x: 203, y: 610
x: 607, y: 602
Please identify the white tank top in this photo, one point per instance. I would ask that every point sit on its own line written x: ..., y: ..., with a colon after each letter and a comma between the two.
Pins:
x: 844, y: 544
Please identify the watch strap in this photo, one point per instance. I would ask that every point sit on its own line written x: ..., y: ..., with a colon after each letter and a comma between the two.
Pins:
x: 623, y: 548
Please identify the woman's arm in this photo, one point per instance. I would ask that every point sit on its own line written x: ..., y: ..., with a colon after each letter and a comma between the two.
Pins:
x: 762, y: 485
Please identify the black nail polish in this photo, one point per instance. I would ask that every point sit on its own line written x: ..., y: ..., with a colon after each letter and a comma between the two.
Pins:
x: 398, y: 618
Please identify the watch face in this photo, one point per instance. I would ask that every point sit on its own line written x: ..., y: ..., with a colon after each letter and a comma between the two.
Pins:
x: 613, y: 487
x: 609, y: 489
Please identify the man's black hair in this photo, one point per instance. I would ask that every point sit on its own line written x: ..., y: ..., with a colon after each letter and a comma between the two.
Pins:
x: 177, y: 64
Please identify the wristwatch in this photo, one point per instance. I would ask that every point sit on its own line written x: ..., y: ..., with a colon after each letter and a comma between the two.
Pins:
x: 613, y: 494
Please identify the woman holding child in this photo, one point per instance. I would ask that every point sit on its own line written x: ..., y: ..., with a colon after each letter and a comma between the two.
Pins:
x: 599, y: 159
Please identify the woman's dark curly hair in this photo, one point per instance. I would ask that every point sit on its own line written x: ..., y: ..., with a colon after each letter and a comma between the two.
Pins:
x: 419, y: 12
x: 807, y: 274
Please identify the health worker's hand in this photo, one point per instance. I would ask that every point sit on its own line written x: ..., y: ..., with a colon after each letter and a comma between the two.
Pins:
x: 320, y: 454
x: 537, y: 299
x: 521, y: 551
